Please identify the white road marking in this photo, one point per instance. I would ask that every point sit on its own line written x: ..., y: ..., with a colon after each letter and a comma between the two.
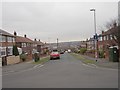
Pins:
x: 36, y: 66
x: 39, y: 65
x: 94, y: 66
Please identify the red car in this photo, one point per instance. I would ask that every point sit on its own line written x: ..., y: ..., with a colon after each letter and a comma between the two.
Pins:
x: 54, y: 55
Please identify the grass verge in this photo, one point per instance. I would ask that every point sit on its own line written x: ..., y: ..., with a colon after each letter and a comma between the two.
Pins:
x: 42, y: 60
x: 84, y: 60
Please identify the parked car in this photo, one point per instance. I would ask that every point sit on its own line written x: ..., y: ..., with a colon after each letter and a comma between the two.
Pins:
x: 69, y: 51
x: 61, y: 52
x: 54, y: 55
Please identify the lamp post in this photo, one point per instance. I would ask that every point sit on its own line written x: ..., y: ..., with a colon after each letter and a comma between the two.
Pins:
x: 95, y: 38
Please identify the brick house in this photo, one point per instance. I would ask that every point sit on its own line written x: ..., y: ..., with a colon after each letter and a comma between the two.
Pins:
x: 105, y: 40
x: 90, y: 44
x: 83, y: 44
x: 7, y: 41
x: 25, y: 44
x: 38, y: 46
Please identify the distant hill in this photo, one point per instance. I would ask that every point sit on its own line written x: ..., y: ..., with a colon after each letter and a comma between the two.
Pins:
x: 65, y: 45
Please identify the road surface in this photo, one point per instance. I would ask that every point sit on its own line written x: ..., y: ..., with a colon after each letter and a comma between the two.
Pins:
x: 68, y: 72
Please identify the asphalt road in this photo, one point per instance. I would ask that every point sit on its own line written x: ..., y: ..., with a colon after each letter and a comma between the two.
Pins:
x: 68, y: 72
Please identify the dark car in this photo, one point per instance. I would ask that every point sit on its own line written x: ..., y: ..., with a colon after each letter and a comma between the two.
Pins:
x: 61, y: 52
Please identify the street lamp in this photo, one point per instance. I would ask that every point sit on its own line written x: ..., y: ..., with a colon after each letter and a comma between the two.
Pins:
x: 96, y: 55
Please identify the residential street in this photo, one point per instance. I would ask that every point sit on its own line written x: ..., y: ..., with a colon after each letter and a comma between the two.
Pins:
x: 68, y: 72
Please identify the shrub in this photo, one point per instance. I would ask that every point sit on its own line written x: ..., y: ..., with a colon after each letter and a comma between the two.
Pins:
x: 36, y: 57
x: 83, y: 50
x: 101, y: 54
x: 23, y: 56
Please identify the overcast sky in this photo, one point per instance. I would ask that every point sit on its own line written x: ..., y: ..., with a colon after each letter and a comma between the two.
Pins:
x: 48, y: 21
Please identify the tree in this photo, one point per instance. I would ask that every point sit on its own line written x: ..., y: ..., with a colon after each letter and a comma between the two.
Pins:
x: 15, y: 50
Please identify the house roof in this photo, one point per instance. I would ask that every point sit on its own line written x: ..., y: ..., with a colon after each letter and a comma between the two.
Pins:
x: 5, y: 33
x: 110, y: 31
x: 38, y: 42
x: 23, y: 39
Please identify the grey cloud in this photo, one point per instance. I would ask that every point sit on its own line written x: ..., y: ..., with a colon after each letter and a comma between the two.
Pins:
x: 64, y: 20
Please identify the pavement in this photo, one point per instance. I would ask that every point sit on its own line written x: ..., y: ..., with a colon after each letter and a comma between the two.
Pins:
x: 19, y: 67
x: 66, y: 72
x: 101, y: 62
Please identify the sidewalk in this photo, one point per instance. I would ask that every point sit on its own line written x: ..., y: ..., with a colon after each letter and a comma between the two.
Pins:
x: 19, y: 66
x: 103, y: 62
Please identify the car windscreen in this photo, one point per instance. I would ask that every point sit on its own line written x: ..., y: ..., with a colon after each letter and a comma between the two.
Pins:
x: 54, y: 53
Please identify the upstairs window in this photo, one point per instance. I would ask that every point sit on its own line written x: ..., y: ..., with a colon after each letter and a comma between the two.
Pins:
x: 24, y: 45
x: 9, y: 39
x: 3, y: 38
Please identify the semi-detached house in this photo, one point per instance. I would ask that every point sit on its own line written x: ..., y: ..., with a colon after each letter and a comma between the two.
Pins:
x: 25, y: 44
x: 7, y: 41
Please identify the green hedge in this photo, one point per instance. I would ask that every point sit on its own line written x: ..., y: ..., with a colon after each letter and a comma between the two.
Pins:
x: 15, y: 50
x: 83, y: 50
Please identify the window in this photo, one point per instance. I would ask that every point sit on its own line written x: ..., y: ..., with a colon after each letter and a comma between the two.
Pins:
x: 100, y: 38
x: 9, y: 39
x: 115, y: 37
x: 28, y: 44
x: 13, y: 39
x: 0, y: 38
x: 23, y: 44
x: 34, y: 45
x: 9, y: 50
x: 107, y: 37
x: 2, y: 51
x: 111, y: 37
x: 3, y: 38
x: 104, y: 37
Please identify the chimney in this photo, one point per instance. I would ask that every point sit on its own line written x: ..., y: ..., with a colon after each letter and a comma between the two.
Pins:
x: 115, y: 24
x: 35, y: 39
x: 15, y: 33
x: 25, y: 36
x: 102, y: 32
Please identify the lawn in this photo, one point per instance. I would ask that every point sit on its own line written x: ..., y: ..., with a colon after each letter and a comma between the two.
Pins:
x: 84, y: 60
x: 42, y: 60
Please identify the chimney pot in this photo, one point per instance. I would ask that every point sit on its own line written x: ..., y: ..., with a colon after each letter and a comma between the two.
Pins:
x: 102, y: 32
x: 115, y: 24
x: 35, y: 39
x: 25, y: 36
x: 15, y: 33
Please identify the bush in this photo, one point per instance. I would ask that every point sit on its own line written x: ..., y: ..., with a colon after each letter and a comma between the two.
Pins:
x: 83, y: 50
x: 36, y: 57
x: 15, y: 50
x: 101, y: 54
x: 23, y: 56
